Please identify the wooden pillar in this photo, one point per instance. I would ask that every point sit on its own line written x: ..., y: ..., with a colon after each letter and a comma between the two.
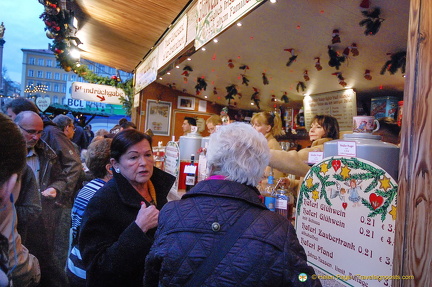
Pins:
x: 413, y: 241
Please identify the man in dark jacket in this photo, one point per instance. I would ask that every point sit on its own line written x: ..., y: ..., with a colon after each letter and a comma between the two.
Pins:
x: 50, y: 182
x: 192, y: 232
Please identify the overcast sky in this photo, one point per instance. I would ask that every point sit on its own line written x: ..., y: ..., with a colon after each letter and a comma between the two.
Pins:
x: 24, y: 30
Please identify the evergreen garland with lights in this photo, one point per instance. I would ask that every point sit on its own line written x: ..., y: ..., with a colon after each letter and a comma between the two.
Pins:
x: 58, y: 19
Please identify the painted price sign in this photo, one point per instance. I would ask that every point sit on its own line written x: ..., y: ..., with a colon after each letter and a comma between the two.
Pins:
x: 346, y: 214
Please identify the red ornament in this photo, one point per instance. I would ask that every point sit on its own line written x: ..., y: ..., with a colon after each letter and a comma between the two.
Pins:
x: 230, y: 63
x: 367, y: 75
x: 341, y: 79
x: 336, y: 164
x: 376, y: 200
x: 335, y: 36
x: 365, y: 4
x: 318, y: 64
x: 344, y: 205
x: 306, y: 76
x: 354, y: 50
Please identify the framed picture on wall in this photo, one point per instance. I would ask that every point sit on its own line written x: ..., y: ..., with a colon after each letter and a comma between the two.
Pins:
x: 158, y: 117
x: 186, y: 103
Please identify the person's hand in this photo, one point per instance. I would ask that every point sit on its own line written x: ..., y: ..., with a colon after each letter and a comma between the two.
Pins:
x: 49, y: 192
x: 147, y: 217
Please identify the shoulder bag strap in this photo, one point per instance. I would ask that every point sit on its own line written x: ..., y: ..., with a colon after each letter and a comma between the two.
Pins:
x: 217, y: 254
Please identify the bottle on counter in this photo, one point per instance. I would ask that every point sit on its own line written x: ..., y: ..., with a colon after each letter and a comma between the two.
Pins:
x: 159, y: 160
x: 284, y: 201
x: 191, y: 173
x: 269, y: 199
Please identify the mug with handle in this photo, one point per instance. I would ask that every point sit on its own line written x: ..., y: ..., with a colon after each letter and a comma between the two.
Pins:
x: 365, y: 124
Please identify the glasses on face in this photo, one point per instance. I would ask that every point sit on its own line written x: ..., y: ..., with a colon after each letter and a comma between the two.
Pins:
x: 31, y: 132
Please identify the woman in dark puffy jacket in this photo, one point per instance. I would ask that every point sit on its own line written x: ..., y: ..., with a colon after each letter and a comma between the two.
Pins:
x: 265, y: 253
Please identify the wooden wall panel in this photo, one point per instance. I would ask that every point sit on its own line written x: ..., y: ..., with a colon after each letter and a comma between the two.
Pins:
x: 413, y: 242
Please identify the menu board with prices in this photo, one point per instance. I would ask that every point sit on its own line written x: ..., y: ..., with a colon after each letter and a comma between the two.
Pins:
x: 346, y: 212
x: 340, y: 104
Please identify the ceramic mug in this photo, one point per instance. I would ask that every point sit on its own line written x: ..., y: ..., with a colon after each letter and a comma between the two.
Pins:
x: 365, y: 124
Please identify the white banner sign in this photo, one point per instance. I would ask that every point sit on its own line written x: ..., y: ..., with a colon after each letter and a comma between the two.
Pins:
x: 146, y: 72
x: 173, y: 43
x: 215, y: 16
x: 97, y: 93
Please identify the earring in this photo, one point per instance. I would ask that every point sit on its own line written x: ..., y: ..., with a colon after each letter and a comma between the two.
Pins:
x: 117, y: 170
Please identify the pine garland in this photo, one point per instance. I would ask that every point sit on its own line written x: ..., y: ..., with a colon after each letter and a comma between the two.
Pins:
x: 369, y: 172
x: 57, y: 20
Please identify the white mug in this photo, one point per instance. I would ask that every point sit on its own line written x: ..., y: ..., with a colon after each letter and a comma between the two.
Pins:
x: 365, y: 124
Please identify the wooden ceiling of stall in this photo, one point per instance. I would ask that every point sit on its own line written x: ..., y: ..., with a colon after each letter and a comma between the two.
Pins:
x: 119, y: 34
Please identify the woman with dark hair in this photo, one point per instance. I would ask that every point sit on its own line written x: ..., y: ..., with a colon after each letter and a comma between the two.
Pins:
x: 120, y: 220
x: 323, y: 128
x: 15, y: 260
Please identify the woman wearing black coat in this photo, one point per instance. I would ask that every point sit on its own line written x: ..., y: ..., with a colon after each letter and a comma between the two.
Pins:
x: 120, y: 220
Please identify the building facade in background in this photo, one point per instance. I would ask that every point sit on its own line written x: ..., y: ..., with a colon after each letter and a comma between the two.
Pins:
x: 41, y: 76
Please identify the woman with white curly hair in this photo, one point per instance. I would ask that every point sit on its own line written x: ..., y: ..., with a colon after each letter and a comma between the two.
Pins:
x: 220, y: 233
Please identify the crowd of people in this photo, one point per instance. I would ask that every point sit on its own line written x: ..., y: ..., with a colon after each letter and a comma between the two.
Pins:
x: 103, y: 219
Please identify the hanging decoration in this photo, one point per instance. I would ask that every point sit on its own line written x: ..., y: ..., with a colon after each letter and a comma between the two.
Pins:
x: 230, y: 63
x: 265, y: 79
x: 201, y: 85
x: 284, y: 98
x: 306, y: 75
x: 186, y: 73
x: 172, y: 85
x: 300, y: 86
x: 341, y: 79
x: 367, y: 75
x: 354, y: 50
x: 346, y: 52
x: 245, y: 80
x: 255, y: 98
x: 372, y: 21
x: 365, y: 4
x: 397, y: 60
x: 292, y: 58
x: 335, y: 37
x: 318, y: 63
x: 244, y: 68
x: 231, y: 92
x: 273, y: 98
x: 215, y: 92
x: 335, y: 58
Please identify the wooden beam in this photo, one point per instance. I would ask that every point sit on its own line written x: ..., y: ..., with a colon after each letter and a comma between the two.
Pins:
x: 413, y: 240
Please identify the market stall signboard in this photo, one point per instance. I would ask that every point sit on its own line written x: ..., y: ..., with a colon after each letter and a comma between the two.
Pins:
x: 345, y: 220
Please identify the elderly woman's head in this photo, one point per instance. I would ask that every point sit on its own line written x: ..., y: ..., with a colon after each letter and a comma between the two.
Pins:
x: 12, y: 155
x: 238, y: 152
x: 98, y: 157
x: 132, y: 156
